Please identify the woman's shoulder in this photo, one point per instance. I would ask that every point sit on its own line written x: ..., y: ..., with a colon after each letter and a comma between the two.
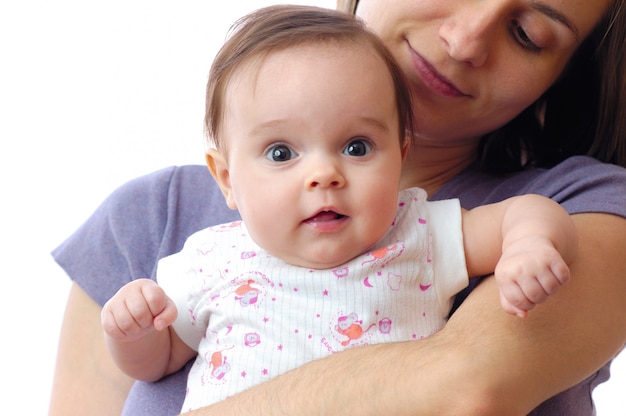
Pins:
x: 185, y: 193
x: 142, y: 221
x: 579, y: 183
x: 586, y: 166
x: 583, y: 184
x: 193, y: 180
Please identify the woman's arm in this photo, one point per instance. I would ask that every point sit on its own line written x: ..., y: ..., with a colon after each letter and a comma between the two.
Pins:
x: 484, y: 361
x: 86, y: 381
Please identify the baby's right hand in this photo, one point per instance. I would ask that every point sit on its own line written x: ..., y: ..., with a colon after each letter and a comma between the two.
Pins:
x: 137, y: 309
x: 529, y: 271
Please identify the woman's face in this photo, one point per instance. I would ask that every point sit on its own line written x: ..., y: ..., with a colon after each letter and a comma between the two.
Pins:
x: 474, y: 65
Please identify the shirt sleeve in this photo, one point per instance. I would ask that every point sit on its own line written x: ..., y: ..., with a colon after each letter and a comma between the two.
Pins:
x: 142, y: 221
x: 448, y: 254
x: 174, y: 274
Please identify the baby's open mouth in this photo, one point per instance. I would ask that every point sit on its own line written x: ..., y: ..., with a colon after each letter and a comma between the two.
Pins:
x: 325, y: 216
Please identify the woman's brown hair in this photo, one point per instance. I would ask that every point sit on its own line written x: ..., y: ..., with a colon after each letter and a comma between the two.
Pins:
x: 583, y: 113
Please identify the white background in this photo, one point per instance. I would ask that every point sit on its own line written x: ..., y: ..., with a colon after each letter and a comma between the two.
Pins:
x: 93, y: 94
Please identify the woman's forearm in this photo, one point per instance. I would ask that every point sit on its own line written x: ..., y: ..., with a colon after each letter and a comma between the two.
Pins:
x: 86, y: 381
x: 561, y: 342
x: 360, y: 381
x: 484, y: 361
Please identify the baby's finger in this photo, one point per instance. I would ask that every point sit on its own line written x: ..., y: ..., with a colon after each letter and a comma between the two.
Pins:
x: 550, y: 284
x: 166, y: 317
x: 139, y: 312
x: 109, y: 324
x: 155, y: 298
x: 512, y: 309
x: 534, y: 291
x: 561, y: 271
x: 522, y: 295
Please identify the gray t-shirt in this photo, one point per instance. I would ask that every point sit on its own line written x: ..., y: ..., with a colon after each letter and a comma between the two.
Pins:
x: 152, y: 216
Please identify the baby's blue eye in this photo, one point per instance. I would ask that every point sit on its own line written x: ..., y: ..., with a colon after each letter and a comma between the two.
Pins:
x: 358, y: 147
x: 280, y: 153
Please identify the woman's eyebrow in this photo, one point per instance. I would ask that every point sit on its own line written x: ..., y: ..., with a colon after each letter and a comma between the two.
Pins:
x: 555, y: 15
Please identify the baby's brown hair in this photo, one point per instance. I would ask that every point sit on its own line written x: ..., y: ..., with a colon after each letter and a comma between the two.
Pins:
x: 280, y: 27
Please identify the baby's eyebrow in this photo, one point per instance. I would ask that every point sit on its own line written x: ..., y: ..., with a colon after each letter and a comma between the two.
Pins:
x: 375, y: 122
x: 557, y: 16
x: 269, y: 125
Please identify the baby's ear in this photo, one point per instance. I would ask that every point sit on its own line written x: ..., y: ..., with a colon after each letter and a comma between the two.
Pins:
x: 218, y: 167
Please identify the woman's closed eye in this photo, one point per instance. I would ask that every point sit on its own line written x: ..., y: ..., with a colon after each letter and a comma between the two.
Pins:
x: 522, y: 38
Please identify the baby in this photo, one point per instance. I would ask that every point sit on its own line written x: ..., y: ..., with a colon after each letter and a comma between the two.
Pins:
x: 309, y: 120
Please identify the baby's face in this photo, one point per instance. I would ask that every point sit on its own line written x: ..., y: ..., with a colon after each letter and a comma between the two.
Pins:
x: 313, y: 151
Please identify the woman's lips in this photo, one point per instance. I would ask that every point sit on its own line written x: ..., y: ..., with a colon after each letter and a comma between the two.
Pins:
x: 432, y: 79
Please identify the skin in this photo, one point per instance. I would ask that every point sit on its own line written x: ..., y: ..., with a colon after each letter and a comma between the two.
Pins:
x: 86, y: 380
x: 474, y: 52
x: 583, y: 324
x: 313, y: 130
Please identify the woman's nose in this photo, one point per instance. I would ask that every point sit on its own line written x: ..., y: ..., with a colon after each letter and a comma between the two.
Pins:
x: 325, y: 174
x: 468, y: 33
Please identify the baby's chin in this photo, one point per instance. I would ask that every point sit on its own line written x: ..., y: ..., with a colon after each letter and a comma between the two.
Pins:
x: 320, y: 261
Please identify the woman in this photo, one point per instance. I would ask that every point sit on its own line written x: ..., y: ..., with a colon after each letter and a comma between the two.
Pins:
x: 506, y: 86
